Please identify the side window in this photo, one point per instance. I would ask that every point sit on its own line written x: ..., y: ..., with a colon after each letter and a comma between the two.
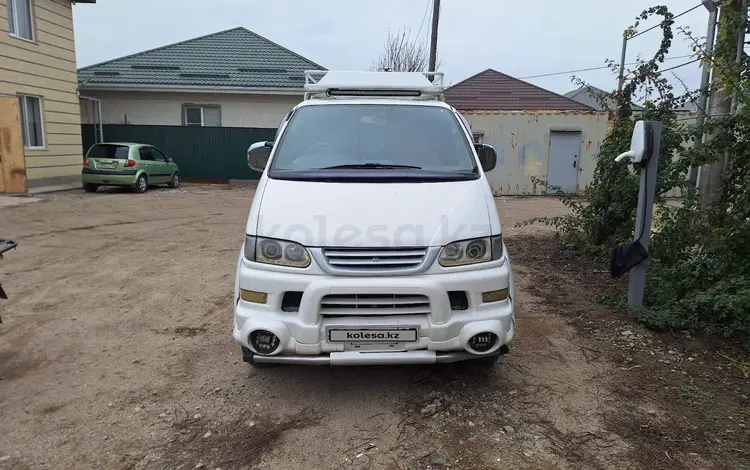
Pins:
x: 158, y: 155
x: 193, y: 116
x: 21, y: 19
x: 145, y: 154
x: 32, y: 124
x: 201, y: 115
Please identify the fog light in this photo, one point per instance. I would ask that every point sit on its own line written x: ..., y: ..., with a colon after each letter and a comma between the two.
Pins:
x: 495, y: 296
x: 483, y: 342
x: 263, y: 342
x: 254, y: 297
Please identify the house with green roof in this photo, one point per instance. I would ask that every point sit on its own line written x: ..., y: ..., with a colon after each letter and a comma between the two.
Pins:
x: 233, y: 78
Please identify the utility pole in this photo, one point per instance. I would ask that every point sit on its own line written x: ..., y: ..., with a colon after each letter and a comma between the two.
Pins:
x: 713, y: 14
x: 434, y: 36
x: 712, y: 174
x: 740, y: 43
x: 621, y: 77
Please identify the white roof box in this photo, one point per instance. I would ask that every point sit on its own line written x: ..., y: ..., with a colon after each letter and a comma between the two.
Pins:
x: 321, y: 83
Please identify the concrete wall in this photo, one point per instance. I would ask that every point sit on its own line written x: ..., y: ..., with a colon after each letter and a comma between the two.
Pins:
x: 522, y: 143
x: 165, y: 109
x: 46, y: 68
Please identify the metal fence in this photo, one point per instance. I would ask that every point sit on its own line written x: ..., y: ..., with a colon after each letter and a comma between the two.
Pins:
x: 203, y: 153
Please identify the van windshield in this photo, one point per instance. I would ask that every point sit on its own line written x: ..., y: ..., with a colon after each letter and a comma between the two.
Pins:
x: 374, y: 137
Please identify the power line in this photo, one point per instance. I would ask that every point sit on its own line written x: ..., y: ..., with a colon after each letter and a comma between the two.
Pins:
x: 657, y: 25
x: 595, y: 68
x: 678, y: 66
x: 424, y: 17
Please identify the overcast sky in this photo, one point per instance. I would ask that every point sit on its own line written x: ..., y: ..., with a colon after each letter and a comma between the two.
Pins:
x: 520, y: 38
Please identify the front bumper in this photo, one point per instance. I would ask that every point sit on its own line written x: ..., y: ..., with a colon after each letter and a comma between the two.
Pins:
x: 354, y: 358
x: 442, y: 334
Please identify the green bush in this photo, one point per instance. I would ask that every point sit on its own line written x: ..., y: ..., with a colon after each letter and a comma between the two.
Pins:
x: 699, y: 268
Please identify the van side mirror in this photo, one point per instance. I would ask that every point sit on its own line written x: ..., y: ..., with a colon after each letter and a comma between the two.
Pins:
x: 258, y: 154
x: 487, y: 156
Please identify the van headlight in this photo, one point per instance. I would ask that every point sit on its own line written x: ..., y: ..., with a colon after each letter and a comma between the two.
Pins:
x: 278, y: 252
x: 477, y: 250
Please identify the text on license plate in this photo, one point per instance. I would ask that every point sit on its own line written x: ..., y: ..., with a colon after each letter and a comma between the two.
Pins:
x: 106, y: 166
x: 371, y: 335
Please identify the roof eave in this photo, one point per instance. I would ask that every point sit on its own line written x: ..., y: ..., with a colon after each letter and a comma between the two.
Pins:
x: 193, y: 89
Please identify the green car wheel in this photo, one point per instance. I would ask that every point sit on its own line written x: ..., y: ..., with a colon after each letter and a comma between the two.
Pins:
x: 141, y: 184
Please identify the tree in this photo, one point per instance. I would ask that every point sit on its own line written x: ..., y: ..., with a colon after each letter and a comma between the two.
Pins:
x: 698, y: 274
x: 723, y: 89
x: 401, y: 53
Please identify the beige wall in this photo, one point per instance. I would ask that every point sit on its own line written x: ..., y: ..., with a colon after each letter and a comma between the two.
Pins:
x: 165, y: 109
x: 522, y: 141
x: 46, y: 68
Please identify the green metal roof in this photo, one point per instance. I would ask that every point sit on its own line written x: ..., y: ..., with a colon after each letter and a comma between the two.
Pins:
x: 234, y: 58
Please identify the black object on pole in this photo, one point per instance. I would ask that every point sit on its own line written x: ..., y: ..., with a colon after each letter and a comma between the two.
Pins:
x: 434, y: 35
x: 633, y: 256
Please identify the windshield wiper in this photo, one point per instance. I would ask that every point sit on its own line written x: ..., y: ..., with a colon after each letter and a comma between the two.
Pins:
x: 369, y: 166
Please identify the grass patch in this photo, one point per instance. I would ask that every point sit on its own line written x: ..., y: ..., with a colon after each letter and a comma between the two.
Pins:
x: 695, y: 397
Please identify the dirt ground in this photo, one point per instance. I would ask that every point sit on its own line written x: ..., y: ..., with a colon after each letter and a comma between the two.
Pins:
x: 116, y: 353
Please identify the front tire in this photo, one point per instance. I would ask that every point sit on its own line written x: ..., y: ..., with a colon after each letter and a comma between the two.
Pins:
x: 141, y: 185
x: 489, y: 361
x: 175, y: 182
x: 90, y: 188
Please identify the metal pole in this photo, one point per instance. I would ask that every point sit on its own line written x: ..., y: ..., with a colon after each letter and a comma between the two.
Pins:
x: 740, y: 46
x: 738, y: 61
x: 101, y: 126
x: 434, y: 35
x: 621, y: 77
x: 705, y: 77
x: 637, y: 285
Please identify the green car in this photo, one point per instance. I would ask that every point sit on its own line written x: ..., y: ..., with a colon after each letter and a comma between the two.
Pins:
x: 125, y: 164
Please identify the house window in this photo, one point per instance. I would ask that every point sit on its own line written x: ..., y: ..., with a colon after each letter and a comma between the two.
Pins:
x: 203, y: 116
x: 31, y: 121
x: 20, y: 19
x: 478, y: 137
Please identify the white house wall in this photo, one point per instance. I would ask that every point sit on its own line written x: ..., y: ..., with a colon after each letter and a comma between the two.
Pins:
x: 522, y: 142
x: 165, y: 109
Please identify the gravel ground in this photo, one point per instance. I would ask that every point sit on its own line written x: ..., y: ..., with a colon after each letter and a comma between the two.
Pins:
x: 116, y: 353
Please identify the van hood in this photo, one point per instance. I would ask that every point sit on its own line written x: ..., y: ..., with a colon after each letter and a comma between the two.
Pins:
x: 354, y: 214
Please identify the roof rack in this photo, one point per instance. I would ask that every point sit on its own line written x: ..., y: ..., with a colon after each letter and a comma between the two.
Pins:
x: 415, y: 85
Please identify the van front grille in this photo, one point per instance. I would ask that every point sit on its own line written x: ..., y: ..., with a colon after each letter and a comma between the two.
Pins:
x: 374, y: 304
x: 374, y: 259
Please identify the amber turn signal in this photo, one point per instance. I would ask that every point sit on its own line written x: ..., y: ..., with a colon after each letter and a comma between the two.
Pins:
x: 254, y: 297
x: 495, y: 296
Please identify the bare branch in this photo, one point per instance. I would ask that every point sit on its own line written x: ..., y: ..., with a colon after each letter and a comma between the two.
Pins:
x: 401, y: 53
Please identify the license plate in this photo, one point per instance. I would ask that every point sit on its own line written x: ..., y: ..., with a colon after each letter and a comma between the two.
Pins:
x: 373, y: 335
x: 106, y: 166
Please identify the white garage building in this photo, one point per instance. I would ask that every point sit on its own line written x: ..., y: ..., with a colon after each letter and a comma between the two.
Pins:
x: 537, y: 133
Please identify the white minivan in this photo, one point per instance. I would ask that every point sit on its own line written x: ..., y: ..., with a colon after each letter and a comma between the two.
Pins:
x: 373, y: 237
